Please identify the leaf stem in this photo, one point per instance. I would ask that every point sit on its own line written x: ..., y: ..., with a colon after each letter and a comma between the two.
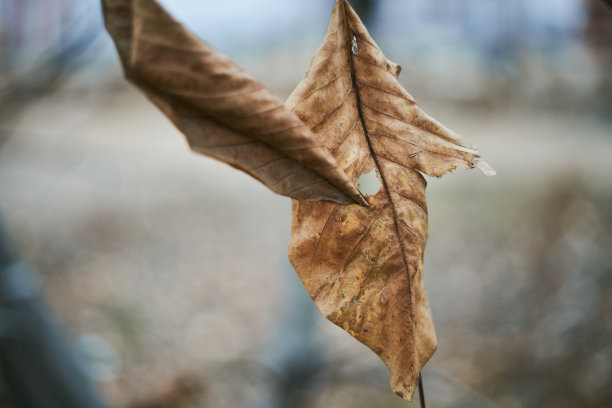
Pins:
x: 421, y: 391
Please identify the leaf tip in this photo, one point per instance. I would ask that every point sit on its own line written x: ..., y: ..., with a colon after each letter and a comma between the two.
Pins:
x: 362, y: 201
x: 485, y: 168
x: 404, y: 390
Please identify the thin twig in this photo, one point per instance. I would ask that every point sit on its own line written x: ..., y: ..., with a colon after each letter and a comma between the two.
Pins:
x: 421, y: 391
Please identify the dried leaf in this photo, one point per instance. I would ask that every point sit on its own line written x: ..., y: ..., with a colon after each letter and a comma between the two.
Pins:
x: 363, y: 266
x: 223, y: 111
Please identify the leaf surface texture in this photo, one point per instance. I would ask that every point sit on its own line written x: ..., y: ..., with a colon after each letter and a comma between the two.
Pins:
x: 222, y: 110
x: 363, y: 267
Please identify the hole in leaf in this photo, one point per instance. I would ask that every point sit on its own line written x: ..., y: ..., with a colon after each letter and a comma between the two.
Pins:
x: 368, y: 183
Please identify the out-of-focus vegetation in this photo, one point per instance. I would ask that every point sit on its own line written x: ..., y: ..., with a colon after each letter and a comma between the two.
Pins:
x: 169, y: 270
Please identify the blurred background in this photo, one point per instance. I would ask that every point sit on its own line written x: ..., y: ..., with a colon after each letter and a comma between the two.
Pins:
x: 168, y: 272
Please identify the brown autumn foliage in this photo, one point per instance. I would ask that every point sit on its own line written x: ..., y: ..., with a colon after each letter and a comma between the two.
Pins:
x: 361, y: 264
x: 363, y: 267
x: 221, y: 109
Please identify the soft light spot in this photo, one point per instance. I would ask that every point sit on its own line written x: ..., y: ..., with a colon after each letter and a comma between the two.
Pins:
x: 368, y: 183
x: 355, y: 47
x: 485, y: 168
x: 99, y: 357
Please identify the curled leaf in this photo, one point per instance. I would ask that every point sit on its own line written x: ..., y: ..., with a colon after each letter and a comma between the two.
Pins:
x: 222, y: 110
x: 363, y: 267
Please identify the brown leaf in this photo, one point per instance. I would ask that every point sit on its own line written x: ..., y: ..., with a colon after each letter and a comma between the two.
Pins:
x: 363, y: 266
x: 223, y: 111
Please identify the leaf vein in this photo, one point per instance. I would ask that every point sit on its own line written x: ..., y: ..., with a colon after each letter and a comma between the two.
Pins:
x: 344, y: 69
x: 387, y: 92
x: 419, y: 146
x: 345, y: 137
x: 330, y: 113
x: 421, y: 128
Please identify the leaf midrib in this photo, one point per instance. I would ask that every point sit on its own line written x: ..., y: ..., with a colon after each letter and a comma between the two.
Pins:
x: 347, y: 42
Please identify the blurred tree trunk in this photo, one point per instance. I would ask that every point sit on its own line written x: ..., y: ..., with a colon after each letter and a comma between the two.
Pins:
x: 38, y: 49
x: 598, y: 35
x: 365, y: 9
x: 38, y: 369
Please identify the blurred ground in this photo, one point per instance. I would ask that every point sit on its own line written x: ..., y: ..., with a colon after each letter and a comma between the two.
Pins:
x: 169, y: 269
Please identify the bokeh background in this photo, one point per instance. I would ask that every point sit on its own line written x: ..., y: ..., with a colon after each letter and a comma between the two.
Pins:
x: 168, y: 271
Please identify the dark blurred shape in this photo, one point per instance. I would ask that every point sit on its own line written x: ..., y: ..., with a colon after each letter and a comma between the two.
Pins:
x: 598, y: 33
x: 365, y: 9
x: 37, y: 367
x: 298, y: 366
x: 185, y: 392
x: 41, y: 43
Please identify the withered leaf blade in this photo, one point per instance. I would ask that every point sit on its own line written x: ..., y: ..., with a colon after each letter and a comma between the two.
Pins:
x: 222, y: 110
x: 363, y: 267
